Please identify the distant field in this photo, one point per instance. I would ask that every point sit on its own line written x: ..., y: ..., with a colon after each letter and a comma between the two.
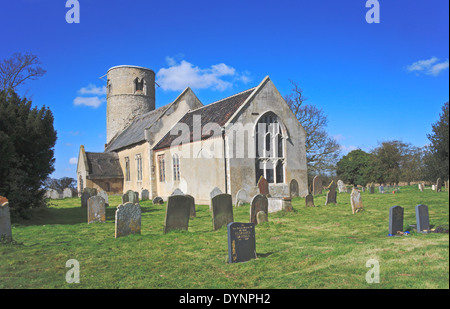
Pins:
x: 325, y: 247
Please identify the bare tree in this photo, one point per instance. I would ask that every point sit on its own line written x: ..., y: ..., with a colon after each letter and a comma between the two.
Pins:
x: 322, y: 151
x: 16, y: 70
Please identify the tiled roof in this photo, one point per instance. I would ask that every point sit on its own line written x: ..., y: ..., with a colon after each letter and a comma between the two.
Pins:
x: 218, y: 112
x: 103, y: 165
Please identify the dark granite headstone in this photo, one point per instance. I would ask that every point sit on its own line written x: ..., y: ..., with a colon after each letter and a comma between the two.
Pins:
x: 395, y: 219
x: 422, y: 218
x: 241, y: 242
x: 177, y: 213
x: 222, y: 210
x: 259, y: 202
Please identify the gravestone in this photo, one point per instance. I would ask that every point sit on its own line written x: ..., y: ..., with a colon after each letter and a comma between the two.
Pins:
x: 91, y: 191
x: 214, y: 192
x: 177, y: 192
x: 158, y: 200
x: 259, y: 202
x: 145, y: 195
x: 104, y: 195
x: 261, y: 217
x: 84, y: 198
x: 395, y: 220
x: 52, y: 194
x: 130, y: 197
x: 67, y: 192
x: 309, y: 201
x: 222, y: 210
x: 422, y: 218
x: 263, y: 186
x: 381, y: 189
x: 128, y: 219
x: 421, y: 187
x: 96, y: 209
x: 5, y: 220
x: 293, y: 188
x: 372, y: 189
x: 241, y: 242
x: 331, y: 194
x: 341, y: 186
x: 438, y: 185
x: 317, y: 185
x: 355, y: 201
x: 177, y: 213
x: 192, y: 213
x: 241, y: 197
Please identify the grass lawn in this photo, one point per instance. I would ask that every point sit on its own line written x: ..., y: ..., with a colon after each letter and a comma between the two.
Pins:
x: 325, y: 247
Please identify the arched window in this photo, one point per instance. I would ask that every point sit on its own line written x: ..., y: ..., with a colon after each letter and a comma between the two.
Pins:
x: 269, y: 149
x: 176, y: 167
x: 139, y: 85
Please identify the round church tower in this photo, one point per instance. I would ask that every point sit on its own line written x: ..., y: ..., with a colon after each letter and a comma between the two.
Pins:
x: 130, y: 92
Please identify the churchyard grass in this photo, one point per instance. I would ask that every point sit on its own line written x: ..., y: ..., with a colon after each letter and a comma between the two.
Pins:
x: 324, y: 247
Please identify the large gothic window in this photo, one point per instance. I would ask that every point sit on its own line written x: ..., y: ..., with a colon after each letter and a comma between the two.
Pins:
x: 269, y: 149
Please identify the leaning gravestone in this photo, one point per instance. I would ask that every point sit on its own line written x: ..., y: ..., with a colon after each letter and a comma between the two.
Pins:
x: 263, y: 186
x: 259, y: 203
x: 96, y: 209
x: 130, y: 196
x: 317, y: 185
x: 145, y: 195
x: 293, y: 188
x: 67, y: 192
x: 355, y: 201
x: 309, y: 201
x: 422, y: 218
x: 341, y: 186
x: 438, y: 185
x: 222, y: 210
x: 5, y: 220
x: 241, y: 197
x: 177, y: 213
x: 395, y: 220
x: 241, y: 242
x: 128, y: 219
x: 331, y: 194
x: 104, y: 194
x: 84, y: 198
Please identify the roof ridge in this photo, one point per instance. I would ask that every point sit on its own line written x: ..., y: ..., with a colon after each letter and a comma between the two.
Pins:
x: 226, y: 98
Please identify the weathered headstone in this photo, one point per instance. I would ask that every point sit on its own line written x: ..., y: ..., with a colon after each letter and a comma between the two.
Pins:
x: 131, y: 197
x: 422, y: 218
x: 309, y: 201
x: 241, y: 197
x: 317, y: 185
x: 92, y: 191
x: 145, y: 195
x: 192, y: 213
x: 5, y: 220
x: 438, y: 185
x: 372, y: 189
x: 222, y: 210
x: 395, y: 220
x: 241, y: 242
x: 177, y: 192
x: 158, y: 201
x: 84, y: 198
x: 214, y: 192
x: 293, y: 188
x: 261, y: 217
x: 263, y: 186
x: 355, y: 201
x: 67, y: 192
x: 331, y: 194
x: 52, y: 194
x: 177, y: 213
x: 96, y: 211
x: 104, y: 195
x: 128, y: 219
x: 341, y: 186
x: 259, y: 202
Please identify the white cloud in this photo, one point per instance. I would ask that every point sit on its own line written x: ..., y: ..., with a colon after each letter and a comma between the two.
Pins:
x: 180, y: 75
x: 348, y: 148
x: 73, y: 161
x: 429, y: 66
x: 89, y: 101
x: 92, y: 89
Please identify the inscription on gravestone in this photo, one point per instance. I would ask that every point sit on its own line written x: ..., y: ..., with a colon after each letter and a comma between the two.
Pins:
x: 241, y: 242
x: 395, y: 219
x: 422, y: 218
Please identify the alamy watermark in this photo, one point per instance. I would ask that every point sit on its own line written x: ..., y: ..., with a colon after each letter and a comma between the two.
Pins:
x: 73, y: 274
x: 373, y: 275
x: 73, y: 14
x: 373, y: 15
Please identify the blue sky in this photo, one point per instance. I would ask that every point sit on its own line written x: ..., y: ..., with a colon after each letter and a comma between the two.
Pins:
x: 375, y: 82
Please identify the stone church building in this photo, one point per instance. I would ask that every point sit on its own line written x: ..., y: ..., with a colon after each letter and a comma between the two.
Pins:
x: 228, y: 144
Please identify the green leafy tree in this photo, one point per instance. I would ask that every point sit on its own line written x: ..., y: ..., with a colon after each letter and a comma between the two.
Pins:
x: 27, y: 140
x: 355, y: 167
